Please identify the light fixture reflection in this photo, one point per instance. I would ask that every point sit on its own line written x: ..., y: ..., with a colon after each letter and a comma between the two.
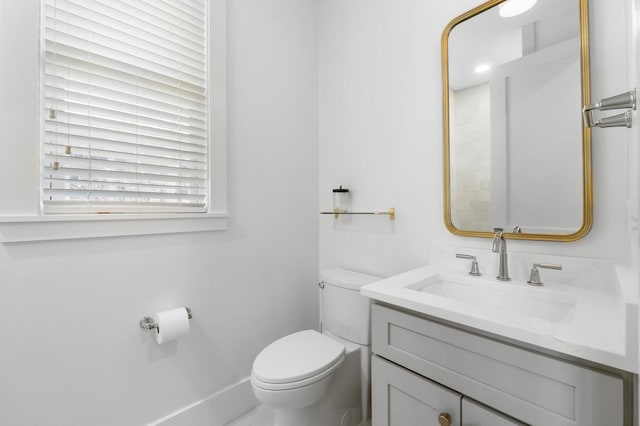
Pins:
x: 482, y: 68
x: 515, y: 7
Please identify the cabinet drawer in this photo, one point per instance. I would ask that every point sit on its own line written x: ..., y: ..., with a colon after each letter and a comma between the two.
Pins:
x: 528, y: 386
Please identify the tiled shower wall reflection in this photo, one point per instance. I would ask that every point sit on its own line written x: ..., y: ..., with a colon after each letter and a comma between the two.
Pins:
x: 470, y: 153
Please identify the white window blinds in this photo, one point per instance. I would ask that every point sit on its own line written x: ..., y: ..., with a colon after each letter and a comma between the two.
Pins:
x: 124, y: 106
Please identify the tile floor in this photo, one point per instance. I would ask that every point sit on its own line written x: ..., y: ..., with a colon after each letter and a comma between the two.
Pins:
x: 260, y: 416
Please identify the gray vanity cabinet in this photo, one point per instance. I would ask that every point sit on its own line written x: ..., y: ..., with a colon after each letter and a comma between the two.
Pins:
x: 403, y: 398
x: 422, y: 368
x: 475, y: 414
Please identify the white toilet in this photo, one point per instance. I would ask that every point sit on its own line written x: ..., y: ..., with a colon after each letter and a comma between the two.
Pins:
x: 314, y: 379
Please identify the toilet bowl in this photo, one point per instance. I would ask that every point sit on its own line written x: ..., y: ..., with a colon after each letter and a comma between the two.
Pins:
x: 321, y: 379
x: 296, y: 370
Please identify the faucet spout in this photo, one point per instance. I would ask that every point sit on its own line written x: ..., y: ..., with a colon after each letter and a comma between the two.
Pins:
x: 497, y: 238
x: 500, y: 246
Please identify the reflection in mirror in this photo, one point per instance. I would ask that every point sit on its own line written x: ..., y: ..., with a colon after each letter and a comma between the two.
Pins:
x: 516, y: 153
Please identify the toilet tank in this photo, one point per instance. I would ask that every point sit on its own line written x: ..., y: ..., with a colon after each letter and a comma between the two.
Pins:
x: 343, y: 311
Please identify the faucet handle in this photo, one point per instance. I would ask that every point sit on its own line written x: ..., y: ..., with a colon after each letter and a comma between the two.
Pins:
x: 534, y: 279
x: 475, y: 269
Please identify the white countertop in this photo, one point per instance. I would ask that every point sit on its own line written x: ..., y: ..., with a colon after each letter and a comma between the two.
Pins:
x: 602, y: 327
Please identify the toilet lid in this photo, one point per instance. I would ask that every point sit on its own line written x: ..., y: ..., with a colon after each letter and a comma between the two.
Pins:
x: 297, y: 356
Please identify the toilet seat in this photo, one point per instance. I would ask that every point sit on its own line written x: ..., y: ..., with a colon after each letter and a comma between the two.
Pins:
x: 297, y: 360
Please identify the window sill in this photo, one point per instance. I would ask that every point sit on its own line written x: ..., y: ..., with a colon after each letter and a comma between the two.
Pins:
x: 15, y: 229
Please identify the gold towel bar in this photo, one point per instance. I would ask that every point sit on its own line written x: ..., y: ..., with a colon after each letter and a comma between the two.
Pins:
x: 391, y: 213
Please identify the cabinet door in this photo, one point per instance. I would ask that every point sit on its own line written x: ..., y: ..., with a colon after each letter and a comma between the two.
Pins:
x: 402, y: 398
x: 476, y: 414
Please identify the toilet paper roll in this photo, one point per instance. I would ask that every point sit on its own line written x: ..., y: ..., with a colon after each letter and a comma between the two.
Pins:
x: 171, y: 324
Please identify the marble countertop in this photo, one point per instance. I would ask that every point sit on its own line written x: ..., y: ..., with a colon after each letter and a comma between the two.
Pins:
x: 588, y: 310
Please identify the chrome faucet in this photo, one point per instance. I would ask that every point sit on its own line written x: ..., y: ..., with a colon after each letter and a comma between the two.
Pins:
x: 500, y: 246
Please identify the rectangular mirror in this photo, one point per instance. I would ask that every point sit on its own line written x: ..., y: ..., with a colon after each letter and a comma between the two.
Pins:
x: 516, y: 154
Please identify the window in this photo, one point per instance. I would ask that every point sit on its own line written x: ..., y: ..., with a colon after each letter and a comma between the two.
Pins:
x: 125, y: 106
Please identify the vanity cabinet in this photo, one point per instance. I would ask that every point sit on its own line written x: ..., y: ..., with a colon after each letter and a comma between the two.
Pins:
x: 403, y: 398
x: 422, y: 368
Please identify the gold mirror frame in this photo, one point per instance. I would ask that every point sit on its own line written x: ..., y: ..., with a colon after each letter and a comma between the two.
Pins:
x: 586, y: 133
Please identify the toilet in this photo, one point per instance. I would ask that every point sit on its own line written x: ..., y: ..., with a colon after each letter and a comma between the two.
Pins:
x: 322, y: 379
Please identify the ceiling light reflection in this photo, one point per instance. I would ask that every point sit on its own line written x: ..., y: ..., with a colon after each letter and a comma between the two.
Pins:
x: 482, y: 68
x: 515, y: 7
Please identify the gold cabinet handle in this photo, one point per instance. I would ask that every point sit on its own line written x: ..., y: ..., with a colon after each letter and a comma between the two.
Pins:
x: 444, y: 419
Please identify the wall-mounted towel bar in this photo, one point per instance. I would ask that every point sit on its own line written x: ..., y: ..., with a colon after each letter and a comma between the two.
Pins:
x: 622, y: 101
x: 391, y: 213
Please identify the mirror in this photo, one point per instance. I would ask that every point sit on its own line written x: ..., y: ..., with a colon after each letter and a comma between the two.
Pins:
x: 516, y: 154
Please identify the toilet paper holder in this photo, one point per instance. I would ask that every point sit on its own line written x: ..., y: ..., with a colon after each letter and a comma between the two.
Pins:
x: 148, y: 323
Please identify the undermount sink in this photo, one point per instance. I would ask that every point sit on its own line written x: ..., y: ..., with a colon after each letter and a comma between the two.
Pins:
x: 499, y: 298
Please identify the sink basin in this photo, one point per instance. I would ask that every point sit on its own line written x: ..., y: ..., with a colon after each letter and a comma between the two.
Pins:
x: 508, y: 298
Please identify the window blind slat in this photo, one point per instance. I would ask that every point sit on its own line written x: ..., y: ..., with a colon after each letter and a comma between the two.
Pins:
x: 77, y: 99
x: 68, y: 164
x: 83, y: 51
x: 126, y: 11
x: 96, y: 133
x: 194, y: 185
x: 73, y: 175
x: 62, y: 144
x: 108, y: 195
x: 132, y: 160
x: 81, y: 141
x: 94, y: 15
x: 153, y: 14
x: 95, y: 126
x: 160, y: 96
x: 145, y: 54
x: 73, y: 207
x: 57, y: 185
x: 124, y: 95
x: 122, y: 25
x: 178, y: 8
x: 123, y: 79
x: 76, y: 112
x: 125, y: 47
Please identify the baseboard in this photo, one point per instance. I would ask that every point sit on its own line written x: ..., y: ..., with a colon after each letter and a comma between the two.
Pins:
x: 217, y: 409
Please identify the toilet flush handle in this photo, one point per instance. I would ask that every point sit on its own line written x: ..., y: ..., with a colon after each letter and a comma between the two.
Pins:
x: 321, y: 284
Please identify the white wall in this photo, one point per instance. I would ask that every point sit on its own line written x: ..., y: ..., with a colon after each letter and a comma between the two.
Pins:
x: 71, y: 351
x: 381, y: 133
x: 380, y: 121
